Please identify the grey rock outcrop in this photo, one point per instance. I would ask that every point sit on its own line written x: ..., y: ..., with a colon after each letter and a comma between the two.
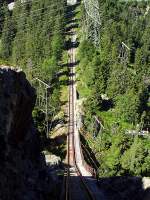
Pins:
x: 23, y: 172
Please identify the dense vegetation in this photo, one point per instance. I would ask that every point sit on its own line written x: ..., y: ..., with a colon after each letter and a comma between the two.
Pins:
x: 32, y: 34
x: 117, y: 88
x: 32, y: 37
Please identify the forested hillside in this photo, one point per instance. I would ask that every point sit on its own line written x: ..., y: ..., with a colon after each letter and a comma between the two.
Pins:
x: 1, y: 15
x: 32, y: 32
x: 114, y: 78
x: 32, y: 38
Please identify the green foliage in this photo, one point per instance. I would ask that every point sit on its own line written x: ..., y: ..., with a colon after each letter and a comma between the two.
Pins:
x: 39, y: 121
x: 86, y: 50
x: 117, y: 90
x: 32, y: 37
x: 2, y: 13
x: 49, y: 68
x: 128, y: 106
x: 132, y: 160
x: 120, y: 154
x: 55, y: 100
x: 57, y: 45
x: 7, y: 36
x: 120, y: 80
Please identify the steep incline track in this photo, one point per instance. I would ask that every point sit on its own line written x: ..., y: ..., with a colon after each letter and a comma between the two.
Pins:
x: 78, y: 181
x: 75, y: 183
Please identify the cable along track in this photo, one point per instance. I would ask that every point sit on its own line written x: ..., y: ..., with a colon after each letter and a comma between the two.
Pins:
x: 75, y: 184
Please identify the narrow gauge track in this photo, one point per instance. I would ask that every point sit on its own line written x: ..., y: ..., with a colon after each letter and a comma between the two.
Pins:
x: 75, y: 184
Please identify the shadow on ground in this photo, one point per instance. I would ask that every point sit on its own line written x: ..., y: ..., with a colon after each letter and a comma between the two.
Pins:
x: 124, y: 188
x: 115, y: 188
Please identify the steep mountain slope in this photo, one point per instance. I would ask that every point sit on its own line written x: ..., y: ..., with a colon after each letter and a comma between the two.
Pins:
x: 23, y: 171
x: 113, y: 80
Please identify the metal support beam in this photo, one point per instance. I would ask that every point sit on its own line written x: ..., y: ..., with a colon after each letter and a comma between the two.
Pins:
x: 124, y: 53
x: 42, y: 99
x: 93, y: 20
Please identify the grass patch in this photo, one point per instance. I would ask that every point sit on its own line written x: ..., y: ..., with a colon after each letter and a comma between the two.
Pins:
x: 64, y: 94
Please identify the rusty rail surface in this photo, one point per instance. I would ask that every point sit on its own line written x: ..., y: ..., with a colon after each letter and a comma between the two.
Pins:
x: 70, y: 137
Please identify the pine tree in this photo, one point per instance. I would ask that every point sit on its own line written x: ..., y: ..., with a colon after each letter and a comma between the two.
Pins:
x: 2, y: 13
x: 133, y: 158
x: 7, y: 36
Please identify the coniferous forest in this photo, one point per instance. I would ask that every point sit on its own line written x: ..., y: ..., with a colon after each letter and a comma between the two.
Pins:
x: 32, y: 37
x: 113, y: 77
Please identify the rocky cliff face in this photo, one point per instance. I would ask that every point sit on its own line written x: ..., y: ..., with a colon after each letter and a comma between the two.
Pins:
x: 23, y: 172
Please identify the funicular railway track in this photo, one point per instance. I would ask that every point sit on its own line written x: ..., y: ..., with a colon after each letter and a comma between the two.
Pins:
x: 75, y: 184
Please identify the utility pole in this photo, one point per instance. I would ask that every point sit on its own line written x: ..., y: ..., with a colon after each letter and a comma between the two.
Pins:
x: 124, y: 53
x: 93, y: 20
x: 42, y: 99
x: 30, y: 69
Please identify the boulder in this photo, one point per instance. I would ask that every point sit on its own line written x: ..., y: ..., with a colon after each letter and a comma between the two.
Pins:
x: 146, y: 182
x: 21, y: 160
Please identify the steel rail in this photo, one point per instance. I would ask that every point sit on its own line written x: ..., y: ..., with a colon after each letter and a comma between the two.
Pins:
x: 71, y: 136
